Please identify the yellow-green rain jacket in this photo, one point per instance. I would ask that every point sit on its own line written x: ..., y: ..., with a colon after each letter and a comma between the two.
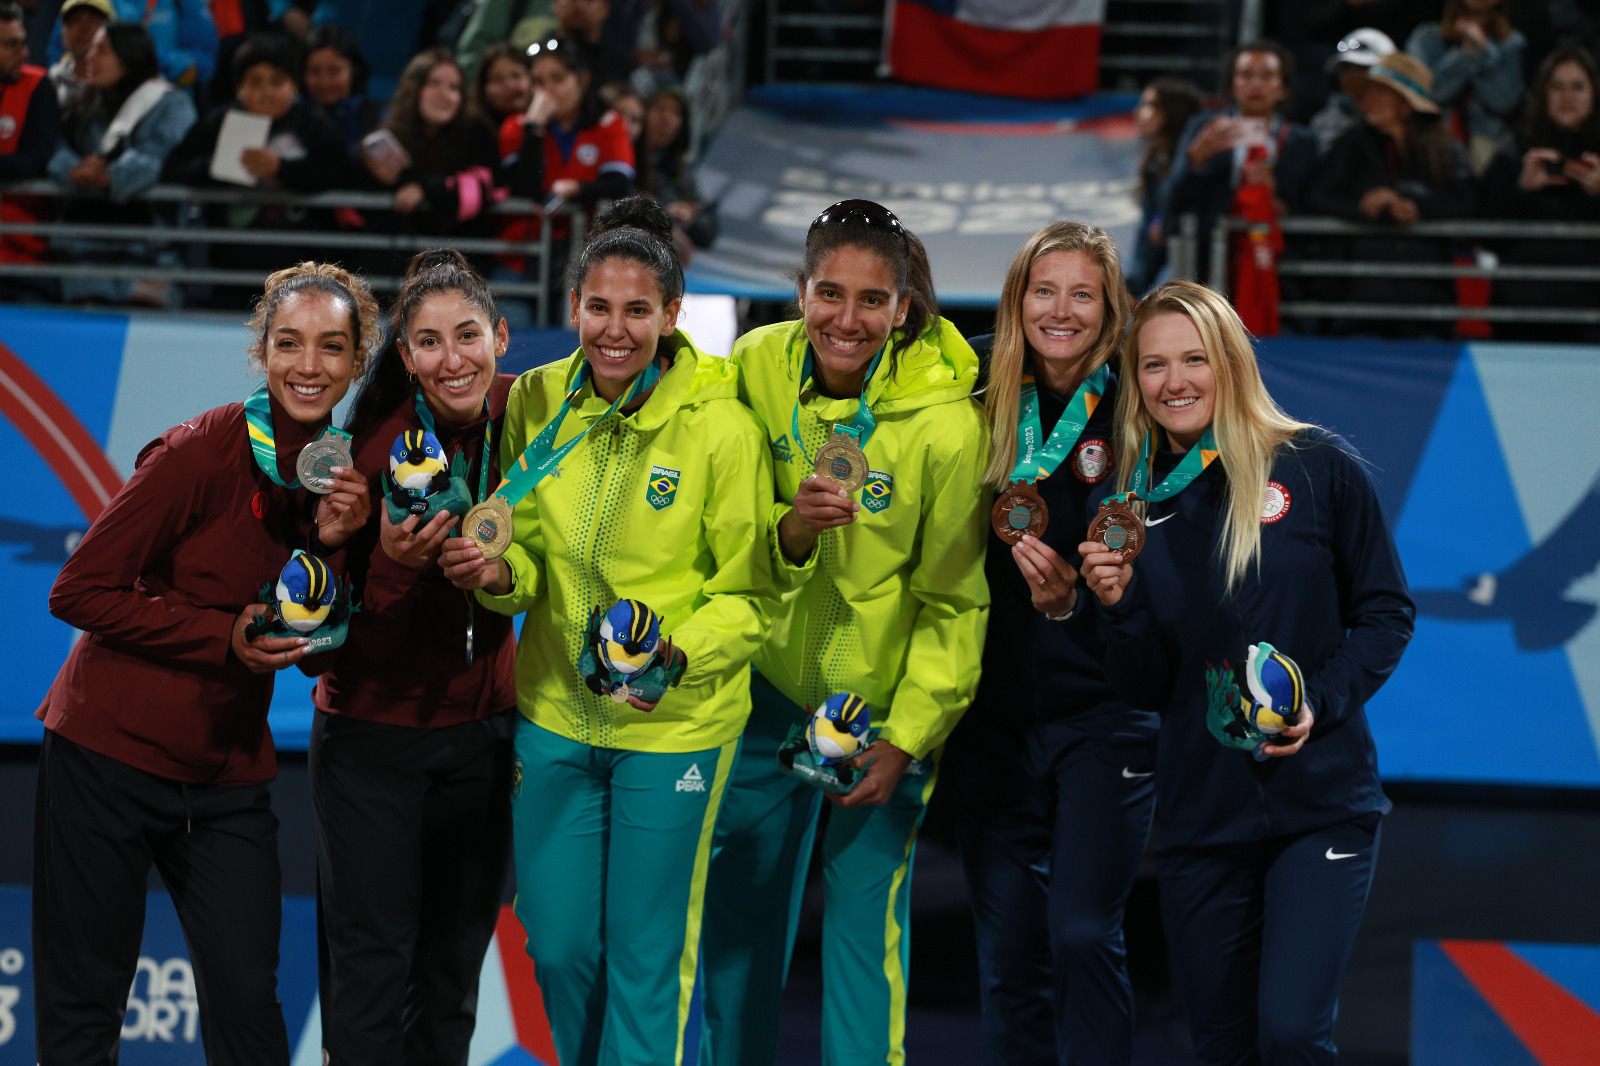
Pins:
x: 893, y: 606
x: 667, y: 505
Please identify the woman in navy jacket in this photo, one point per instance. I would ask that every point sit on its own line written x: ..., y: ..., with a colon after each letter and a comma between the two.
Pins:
x: 1265, y: 862
x: 1050, y: 769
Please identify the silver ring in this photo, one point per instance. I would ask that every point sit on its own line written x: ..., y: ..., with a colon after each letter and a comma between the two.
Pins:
x: 1041, y: 582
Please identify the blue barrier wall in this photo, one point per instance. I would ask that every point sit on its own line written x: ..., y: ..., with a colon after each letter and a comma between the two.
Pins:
x: 1486, y: 460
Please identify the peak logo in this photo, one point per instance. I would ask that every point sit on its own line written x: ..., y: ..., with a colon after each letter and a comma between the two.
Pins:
x: 691, y: 781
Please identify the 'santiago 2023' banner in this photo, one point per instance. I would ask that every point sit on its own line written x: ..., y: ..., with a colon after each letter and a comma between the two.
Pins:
x: 1487, y: 458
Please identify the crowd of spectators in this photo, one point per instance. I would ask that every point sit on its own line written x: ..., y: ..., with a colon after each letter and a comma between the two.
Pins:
x: 1486, y: 111
x: 556, y: 101
x: 1465, y: 121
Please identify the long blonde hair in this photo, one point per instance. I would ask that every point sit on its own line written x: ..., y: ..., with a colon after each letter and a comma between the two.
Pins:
x: 1248, y: 425
x: 1009, y: 355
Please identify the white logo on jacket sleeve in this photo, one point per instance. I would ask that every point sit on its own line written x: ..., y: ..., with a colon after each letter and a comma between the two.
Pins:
x: 1277, y: 503
x: 691, y: 781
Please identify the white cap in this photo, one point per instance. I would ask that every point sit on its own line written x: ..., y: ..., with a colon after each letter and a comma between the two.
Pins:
x: 1362, y: 47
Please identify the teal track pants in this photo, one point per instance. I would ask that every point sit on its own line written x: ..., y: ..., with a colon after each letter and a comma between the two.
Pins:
x: 612, y: 853
x: 758, y: 868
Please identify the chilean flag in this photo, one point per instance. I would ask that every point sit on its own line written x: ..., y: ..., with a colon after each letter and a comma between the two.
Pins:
x: 1036, y: 49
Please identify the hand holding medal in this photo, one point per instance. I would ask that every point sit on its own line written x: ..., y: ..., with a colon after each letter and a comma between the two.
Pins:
x: 1019, y: 511
x: 1117, y: 527
x: 344, y: 507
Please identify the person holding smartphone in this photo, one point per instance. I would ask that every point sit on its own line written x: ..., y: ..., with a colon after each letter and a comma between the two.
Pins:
x: 1246, y: 144
x: 1552, y: 174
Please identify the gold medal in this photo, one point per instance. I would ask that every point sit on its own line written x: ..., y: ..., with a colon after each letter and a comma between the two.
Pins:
x: 489, y: 523
x: 1119, y: 529
x: 1019, y: 512
x: 842, y: 460
x: 314, y: 466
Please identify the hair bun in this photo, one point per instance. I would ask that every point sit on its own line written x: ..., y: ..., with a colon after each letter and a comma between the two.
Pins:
x: 434, y: 258
x: 638, y: 211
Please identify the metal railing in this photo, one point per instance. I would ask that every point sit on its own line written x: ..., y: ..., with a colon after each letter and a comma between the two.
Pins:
x: 804, y: 39
x: 1141, y: 39
x: 1185, y: 259
x: 188, y: 229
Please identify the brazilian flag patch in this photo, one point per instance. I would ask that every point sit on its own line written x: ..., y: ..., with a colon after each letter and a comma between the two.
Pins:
x: 663, y: 487
x: 878, y: 492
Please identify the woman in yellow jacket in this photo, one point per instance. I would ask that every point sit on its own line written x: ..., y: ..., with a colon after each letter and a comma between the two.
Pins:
x: 885, y: 598
x: 657, y: 490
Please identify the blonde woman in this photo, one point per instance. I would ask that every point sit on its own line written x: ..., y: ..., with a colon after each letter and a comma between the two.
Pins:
x: 1052, y: 770
x: 1260, y: 530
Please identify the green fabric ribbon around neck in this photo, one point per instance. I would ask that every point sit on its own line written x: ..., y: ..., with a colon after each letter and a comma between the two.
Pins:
x: 1036, y: 461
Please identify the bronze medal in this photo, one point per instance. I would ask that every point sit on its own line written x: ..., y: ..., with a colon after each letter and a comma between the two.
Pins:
x: 489, y: 523
x: 1019, y: 512
x: 842, y: 460
x: 315, y: 463
x: 1119, y: 529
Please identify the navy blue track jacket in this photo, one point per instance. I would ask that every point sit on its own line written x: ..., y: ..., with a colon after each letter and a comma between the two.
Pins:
x: 1035, y: 669
x: 1329, y: 594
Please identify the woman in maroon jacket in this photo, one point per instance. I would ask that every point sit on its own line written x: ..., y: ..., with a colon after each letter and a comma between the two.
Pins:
x: 156, y: 747
x: 411, y: 749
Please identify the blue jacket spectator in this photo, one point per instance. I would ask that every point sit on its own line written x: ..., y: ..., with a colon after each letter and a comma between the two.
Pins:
x: 1476, y: 60
x: 118, y: 134
x: 1249, y: 140
x: 185, y: 36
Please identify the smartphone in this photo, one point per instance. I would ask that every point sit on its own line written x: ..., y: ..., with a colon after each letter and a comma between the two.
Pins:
x: 1252, y: 132
x: 383, y: 148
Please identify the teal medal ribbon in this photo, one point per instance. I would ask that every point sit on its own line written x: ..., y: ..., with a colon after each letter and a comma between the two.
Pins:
x: 539, y: 458
x: 860, y: 428
x: 1191, y: 466
x: 1118, y: 525
x: 263, y: 438
x: 425, y: 416
x: 1036, y: 461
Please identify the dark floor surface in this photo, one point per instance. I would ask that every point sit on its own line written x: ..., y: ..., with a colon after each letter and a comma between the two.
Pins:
x: 1467, y: 862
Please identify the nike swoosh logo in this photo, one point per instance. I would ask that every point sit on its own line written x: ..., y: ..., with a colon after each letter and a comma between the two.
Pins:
x: 1131, y: 776
x: 1335, y: 855
x: 1158, y: 521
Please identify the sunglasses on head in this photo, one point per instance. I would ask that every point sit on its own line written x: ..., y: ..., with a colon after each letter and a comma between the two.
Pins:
x: 865, y: 212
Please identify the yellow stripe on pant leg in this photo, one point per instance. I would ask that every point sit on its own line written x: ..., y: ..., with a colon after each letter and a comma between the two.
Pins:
x: 689, y: 961
x: 892, y: 970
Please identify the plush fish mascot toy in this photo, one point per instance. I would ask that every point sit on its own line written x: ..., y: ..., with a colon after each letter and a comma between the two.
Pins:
x: 624, y: 655
x: 835, y: 733
x: 1271, y: 700
x: 308, y: 601
x: 420, y: 483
